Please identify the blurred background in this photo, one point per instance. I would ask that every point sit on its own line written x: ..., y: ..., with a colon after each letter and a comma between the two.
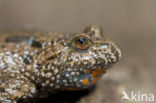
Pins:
x: 130, y: 23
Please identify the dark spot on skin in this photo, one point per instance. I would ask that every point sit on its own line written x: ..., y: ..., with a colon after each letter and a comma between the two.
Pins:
x: 28, y: 59
x: 107, y: 44
x: 53, y: 56
x: 38, y: 66
x: 63, y: 43
x: 17, y: 39
x: 107, y: 55
x: 52, y: 42
x: 50, y: 58
x: 26, y: 39
x: 36, y: 44
x: 2, y: 90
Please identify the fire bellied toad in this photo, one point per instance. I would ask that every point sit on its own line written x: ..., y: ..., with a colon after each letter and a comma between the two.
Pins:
x: 33, y: 64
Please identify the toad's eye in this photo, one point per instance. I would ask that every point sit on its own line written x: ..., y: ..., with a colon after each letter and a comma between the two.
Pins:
x: 81, y: 42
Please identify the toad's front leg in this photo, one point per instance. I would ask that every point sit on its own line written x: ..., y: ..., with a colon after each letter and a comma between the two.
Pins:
x: 15, y: 86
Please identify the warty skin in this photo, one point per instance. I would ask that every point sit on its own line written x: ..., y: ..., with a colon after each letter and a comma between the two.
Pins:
x: 36, y: 64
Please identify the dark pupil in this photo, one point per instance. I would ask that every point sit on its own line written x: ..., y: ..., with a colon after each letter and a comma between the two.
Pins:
x: 82, y: 40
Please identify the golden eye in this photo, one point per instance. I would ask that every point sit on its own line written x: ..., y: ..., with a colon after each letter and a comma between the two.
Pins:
x: 81, y: 43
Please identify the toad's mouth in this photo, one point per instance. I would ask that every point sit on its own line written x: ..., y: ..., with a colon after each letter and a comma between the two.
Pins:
x: 88, y: 67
